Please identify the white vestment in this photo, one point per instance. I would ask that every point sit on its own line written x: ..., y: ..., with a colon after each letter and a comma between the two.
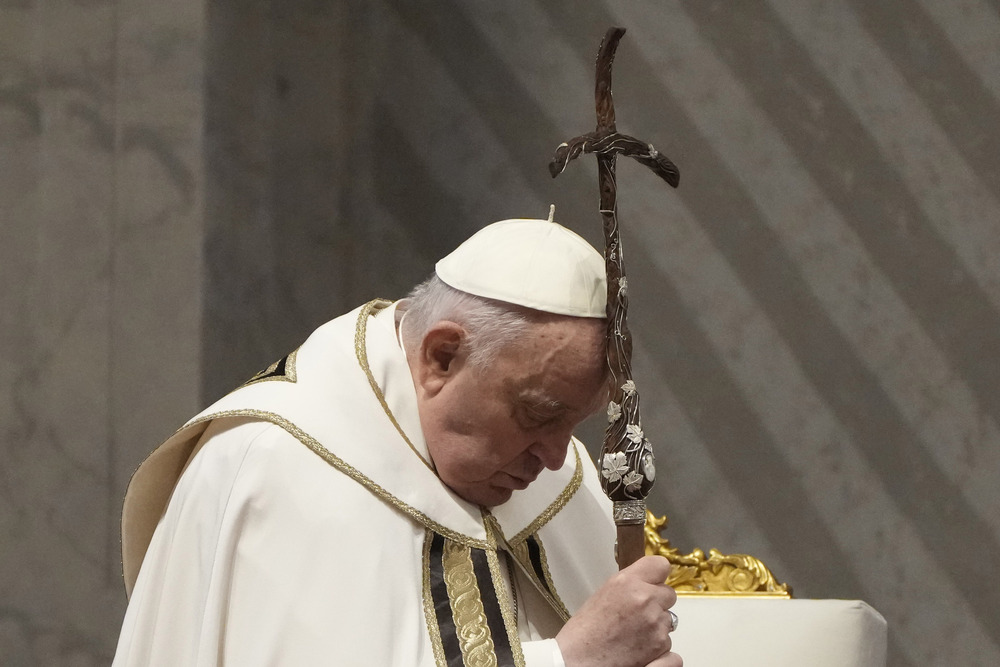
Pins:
x: 305, y: 530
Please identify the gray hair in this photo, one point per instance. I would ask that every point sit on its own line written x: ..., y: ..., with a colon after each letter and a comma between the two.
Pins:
x: 489, y: 324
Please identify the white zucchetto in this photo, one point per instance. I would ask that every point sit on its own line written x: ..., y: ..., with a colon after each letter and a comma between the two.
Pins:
x: 533, y: 263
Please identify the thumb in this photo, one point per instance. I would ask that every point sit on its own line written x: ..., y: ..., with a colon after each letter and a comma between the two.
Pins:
x: 651, y: 569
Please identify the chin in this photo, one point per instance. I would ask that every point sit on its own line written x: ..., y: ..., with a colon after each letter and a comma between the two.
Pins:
x: 489, y: 497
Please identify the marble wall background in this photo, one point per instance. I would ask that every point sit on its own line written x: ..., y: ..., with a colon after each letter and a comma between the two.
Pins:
x: 102, y: 189
x: 188, y: 188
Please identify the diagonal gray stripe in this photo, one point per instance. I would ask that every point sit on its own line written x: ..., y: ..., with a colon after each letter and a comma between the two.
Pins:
x: 768, y: 273
x: 417, y: 201
x: 924, y: 269
x: 950, y: 89
x: 502, y: 101
x: 923, y: 493
x: 739, y: 444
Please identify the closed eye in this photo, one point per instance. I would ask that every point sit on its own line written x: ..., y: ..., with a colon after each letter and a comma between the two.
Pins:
x: 538, y: 418
x: 541, y: 414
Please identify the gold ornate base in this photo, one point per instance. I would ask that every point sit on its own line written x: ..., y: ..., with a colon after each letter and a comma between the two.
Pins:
x: 716, y: 575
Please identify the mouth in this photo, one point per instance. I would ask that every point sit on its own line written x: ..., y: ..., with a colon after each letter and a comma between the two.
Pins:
x: 520, y: 483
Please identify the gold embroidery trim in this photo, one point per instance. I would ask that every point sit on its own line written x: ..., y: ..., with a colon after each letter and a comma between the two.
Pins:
x: 494, y: 535
x: 510, y: 620
x: 555, y: 505
x: 467, y: 609
x: 360, y: 350
x: 348, y: 470
x: 548, y: 574
x: 264, y: 375
x: 430, y: 614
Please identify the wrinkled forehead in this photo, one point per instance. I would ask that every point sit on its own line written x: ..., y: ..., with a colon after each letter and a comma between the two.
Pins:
x: 566, y: 349
x: 579, y: 337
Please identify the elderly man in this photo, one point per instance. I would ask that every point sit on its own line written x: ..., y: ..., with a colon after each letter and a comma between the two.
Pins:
x: 403, y: 489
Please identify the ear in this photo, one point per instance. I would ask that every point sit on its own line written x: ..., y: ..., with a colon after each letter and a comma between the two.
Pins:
x: 440, y: 356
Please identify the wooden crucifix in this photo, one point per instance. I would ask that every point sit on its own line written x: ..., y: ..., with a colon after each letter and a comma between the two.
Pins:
x: 627, y: 462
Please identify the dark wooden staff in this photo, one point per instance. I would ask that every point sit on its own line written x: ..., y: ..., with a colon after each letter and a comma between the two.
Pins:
x: 627, y: 463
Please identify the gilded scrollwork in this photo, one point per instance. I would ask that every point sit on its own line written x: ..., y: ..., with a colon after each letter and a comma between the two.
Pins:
x: 715, y: 574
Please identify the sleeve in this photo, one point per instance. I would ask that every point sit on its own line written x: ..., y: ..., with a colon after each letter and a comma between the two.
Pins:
x: 542, y: 653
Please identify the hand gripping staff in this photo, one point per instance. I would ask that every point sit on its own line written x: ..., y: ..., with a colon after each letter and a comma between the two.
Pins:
x: 627, y: 464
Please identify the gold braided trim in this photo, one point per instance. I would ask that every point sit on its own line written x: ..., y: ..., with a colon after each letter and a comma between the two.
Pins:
x: 360, y: 332
x: 556, y: 505
x: 548, y: 575
x: 430, y: 614
x: 467, y: 610
x: 506, y: 608
x: 348, y: 470
x: 265, y: 375
x: 494, y: 535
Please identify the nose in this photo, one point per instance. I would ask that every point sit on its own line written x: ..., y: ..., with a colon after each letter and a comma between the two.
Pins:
x: 551, y: 450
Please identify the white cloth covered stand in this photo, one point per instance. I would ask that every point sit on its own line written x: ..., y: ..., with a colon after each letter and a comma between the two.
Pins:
x: 751, y: 632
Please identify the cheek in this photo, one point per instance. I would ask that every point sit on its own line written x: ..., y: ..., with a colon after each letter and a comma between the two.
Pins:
x: 476, y: 457
x: 475, y: 440
x: 461, y: 457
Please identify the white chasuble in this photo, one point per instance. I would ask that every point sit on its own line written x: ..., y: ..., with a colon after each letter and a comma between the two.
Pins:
x: 298, y: 522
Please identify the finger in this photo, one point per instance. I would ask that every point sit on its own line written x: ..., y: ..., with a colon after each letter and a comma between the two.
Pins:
x: 669, y: 596
x: 664, y: 596
x: 651, y: 569
x: 659, y: 597
x: 656, y: 636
